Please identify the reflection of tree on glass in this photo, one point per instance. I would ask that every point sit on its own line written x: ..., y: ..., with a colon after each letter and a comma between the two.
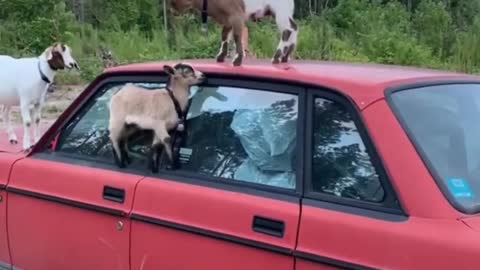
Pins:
x: 243, y: 138
x: 229, y: 134
x: 341, y: 165
x: 88, y: 134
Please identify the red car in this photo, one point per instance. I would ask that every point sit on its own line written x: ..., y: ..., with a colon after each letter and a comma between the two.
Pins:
x: 307, y: 165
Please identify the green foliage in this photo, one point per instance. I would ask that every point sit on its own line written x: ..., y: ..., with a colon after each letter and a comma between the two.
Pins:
x: 467, y: 48
x: 434, y: 27
x: 427, y: 33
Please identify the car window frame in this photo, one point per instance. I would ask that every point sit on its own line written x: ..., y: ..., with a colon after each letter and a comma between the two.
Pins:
x: 428, y: 164
x: 87, y: 100
x: 249, y: 82
x: 304, y: 90
x: 391, y: 207
x: 253, y: 84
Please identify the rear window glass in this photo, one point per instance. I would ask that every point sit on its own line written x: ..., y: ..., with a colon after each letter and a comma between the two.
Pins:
x: 443, y: 121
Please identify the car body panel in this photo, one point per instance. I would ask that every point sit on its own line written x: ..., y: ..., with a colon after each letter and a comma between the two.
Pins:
x: 58, y: 219
x: 415, y: 187
x: 363, y: 83
x: 213, y: 226
x: 6, y: 162
x: 413, y: 243
x: 6, y: 146
x: 472, y: 222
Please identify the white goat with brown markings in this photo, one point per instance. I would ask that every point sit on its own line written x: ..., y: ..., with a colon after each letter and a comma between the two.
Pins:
x: 232, y: 15
x: 25, y: 82
x: 134, y: 108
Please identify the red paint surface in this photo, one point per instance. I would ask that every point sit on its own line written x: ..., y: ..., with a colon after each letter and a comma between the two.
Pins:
x: 308, y: 265
x: 430, y: 238
x: 49, y: 235
x: 6, y: 160
x: 473, y: 222
x: 6, y: 146
x: 417, y: 190
x: 364, y: 83
x: 154, y: 247
x: 414, y: 244
x: 4, y: 252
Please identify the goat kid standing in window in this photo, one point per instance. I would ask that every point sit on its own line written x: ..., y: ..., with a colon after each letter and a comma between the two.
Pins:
x: 232, y: 15
x: 25, y: 82
x: 133, y: 108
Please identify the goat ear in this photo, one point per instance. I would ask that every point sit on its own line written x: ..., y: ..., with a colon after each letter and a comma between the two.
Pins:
x: 50, y: 53
x: 169, y: 70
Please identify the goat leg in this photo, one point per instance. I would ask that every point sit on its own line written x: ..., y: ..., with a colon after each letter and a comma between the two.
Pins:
x: 27, y: 122
x: 118, y: 152
x: 154, y: 157
x: 224, y: 45
x: 238, y: 25
x: 7, y: 121
x: 288, y: 39
x: 117, y: 159
x: 292, y: 39
x: 124, y: 149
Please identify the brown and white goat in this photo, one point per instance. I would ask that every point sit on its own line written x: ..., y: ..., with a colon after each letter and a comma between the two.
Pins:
x: 161, y: 111
x: 107, y: 58
x: 232, y: 15
x: 25, y: 83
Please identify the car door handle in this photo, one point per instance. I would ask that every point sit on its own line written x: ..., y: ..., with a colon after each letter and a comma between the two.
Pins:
x: 268, y: 226
x: 113, y: 194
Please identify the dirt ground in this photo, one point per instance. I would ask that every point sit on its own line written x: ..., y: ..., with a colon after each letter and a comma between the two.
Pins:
x: 55, y: 104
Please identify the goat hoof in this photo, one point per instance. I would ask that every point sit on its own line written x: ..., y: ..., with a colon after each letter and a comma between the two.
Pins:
x: 276, y: 57
x: 120, y: 164
x: 13, y: 141
x: 237, y: 62
x: 220, y: 58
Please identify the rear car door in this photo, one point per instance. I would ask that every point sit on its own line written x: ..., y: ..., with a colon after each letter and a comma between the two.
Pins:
x: 233, y: 202
x: 351, y: 218
x: 69, y: 204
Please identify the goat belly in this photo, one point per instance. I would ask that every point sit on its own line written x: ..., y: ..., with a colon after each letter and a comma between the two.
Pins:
x: 19, y: 77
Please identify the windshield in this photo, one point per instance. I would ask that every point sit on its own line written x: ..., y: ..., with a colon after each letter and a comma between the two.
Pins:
x: 444, y: 123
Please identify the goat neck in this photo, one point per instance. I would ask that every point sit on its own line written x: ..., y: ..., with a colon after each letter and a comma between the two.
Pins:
x: 46, y: 68
x: 180, y: 92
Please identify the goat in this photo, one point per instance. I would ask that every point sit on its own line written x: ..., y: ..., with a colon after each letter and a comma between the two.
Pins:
x: 232, y: 15
x: 25, y: 82
x: 107, y: 58
x: 133, y: 108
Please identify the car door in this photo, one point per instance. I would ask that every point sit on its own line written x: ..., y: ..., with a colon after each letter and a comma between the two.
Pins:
x: 6, y: 161
x: 351, y: 218
x: 69, y: 205
x: 233, y: 200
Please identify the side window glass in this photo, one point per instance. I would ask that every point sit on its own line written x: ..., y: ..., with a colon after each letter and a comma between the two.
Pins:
x: 341, y: 165
x: 87, y: 135
x: 239, y: 134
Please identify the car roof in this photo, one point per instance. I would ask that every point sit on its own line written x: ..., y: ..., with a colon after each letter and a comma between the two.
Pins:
x: 363, y: 83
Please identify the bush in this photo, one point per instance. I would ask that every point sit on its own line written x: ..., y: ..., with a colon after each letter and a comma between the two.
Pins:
x: 434, y: 34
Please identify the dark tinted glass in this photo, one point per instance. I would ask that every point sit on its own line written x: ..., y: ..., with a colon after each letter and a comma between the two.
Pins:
x: 341, y: 164
x: 87, y: 134
x: 444, y: 123
x: 242, y: 135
